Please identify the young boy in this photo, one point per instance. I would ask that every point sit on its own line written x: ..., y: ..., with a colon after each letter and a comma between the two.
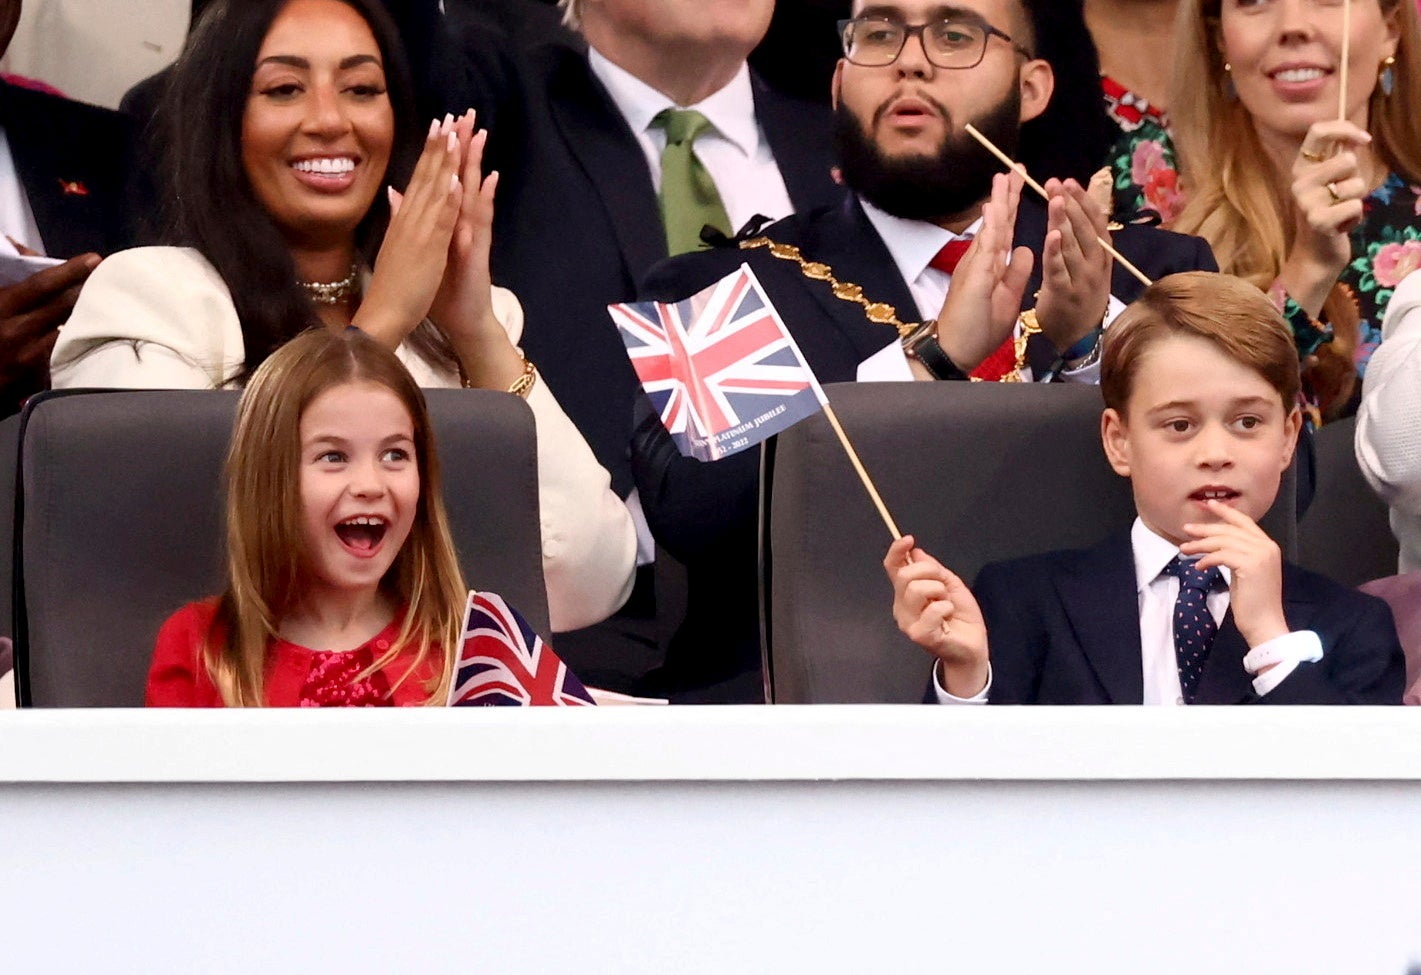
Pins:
x: 1194, y: 605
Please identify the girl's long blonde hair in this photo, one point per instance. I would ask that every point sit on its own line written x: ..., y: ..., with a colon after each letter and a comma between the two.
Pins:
x: 1235, y: 200
x: 266, y: 559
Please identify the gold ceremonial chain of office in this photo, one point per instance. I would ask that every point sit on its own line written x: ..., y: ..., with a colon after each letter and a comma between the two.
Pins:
x: 878, y: 312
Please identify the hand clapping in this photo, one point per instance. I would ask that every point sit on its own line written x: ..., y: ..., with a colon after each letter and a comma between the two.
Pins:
x: 985, y: 298
x: 1075, y: 268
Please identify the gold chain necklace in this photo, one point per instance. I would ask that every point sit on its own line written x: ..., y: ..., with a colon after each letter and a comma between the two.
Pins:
x: 878, y: 312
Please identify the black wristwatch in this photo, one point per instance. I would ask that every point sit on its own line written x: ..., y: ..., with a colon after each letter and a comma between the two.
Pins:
x: 922, y: 344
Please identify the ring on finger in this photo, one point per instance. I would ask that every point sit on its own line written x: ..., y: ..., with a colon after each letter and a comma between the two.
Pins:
x: 1332, y: 192
x: 1312, y: 156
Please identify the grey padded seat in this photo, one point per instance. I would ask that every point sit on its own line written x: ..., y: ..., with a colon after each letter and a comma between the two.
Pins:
x: 9, y: 461
x: 1346, y: 531
x: 122, y: 523
x: 976, y: 472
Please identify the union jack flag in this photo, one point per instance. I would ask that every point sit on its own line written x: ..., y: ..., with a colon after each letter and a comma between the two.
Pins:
x: 720, y: 367
x: 504, y: 663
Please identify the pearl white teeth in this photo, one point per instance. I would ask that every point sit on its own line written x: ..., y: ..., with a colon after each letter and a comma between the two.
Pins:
x: 1295, y: 75
x: 326, y: 167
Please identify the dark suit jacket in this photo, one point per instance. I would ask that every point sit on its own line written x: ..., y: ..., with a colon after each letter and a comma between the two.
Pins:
x: 578, y: 224
x: 72, y: 159
x: 705, y: 514
x: 1064, y: 628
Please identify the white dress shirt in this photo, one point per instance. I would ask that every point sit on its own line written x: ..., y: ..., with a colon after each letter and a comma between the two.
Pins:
x: 734, y: 151
x: 17, y: 220
x: 1157, y: 592
x: 913, y: 244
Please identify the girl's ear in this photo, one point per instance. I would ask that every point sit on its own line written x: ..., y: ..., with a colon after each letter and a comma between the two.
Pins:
x: 1114, y: 437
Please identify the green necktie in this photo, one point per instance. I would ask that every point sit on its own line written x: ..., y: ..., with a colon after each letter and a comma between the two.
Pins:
x: 689, y: 199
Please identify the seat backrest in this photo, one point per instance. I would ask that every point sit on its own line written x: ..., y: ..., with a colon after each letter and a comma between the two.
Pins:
x: 9, y: 464
x: 975, y: 472
x: 1346, y: 531
x: 121, y: 523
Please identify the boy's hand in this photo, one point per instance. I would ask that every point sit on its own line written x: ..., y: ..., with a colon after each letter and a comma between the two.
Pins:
x: 936, y: 610
x: 1256, y: 590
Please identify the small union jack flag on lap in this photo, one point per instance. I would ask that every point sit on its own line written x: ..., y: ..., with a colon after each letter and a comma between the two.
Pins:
x: 504, y: 663
x: 720, y: 367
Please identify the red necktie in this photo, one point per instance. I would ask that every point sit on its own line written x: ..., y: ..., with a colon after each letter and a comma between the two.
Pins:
x: 1000, y: 362
x: 947, y: 259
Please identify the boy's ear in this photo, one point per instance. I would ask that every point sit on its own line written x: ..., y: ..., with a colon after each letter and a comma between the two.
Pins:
x: 1113, y: 438
x: 1292, y: 427
x: 836, y: 84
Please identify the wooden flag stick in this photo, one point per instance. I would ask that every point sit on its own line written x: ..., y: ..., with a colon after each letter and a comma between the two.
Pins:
x: 1017, y: 167
x: 863, y: 474
x: 1346, y: 56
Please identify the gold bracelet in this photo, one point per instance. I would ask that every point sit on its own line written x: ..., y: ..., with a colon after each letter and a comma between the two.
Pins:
x: 524, y: 383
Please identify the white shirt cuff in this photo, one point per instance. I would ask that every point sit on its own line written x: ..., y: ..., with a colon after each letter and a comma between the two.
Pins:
x: 888, y: 365
x: 945, y: 698
x: 1288, y: 650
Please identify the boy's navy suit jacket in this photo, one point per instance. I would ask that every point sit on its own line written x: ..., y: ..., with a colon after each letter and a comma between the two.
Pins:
x: 1064, y: 628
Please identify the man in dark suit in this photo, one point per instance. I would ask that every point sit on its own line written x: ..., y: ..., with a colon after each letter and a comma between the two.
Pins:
x: 578, y: 132
x: 1195, y: 605
x: 1024, y: 72
x: 61, y: 197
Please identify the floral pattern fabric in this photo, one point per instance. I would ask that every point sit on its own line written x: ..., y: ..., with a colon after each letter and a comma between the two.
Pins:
x: 1386, y: 246
x: 1142, y: 159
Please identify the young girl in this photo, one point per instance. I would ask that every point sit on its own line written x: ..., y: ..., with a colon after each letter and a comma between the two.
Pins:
x: 343, y: 588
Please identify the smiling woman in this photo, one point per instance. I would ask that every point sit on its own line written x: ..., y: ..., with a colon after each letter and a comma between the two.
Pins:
x: 287, y: 123
x: 1320, y: 210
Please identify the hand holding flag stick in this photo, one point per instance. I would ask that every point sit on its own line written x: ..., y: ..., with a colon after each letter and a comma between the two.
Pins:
x: 1017, y: 167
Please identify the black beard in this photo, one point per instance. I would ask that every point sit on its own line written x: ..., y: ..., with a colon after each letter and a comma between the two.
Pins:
x: 939, y: 187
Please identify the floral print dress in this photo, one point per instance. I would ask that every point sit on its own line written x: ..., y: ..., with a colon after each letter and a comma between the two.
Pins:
x: 1142, y: 159
x: 1386, y: 247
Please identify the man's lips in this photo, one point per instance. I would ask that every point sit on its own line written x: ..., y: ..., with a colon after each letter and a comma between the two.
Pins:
x: 910, y: 109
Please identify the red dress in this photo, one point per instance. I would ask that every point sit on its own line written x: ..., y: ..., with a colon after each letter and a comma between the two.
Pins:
x: 295, y: 676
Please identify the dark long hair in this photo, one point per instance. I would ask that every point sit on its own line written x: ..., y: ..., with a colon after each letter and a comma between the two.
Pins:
x: 210, y: 205
x: 1073, y: 136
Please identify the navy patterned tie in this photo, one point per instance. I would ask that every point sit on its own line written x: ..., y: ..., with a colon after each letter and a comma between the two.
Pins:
x: 1194, y: 626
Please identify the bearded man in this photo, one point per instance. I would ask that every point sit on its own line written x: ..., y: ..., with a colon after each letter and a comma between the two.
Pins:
x: 924, y: 197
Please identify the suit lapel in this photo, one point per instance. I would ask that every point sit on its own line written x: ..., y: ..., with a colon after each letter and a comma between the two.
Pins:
x: 1104, y: 613
x: 599, y: 139
x: 1225, y: 681
x: 59, y: 196
x: 844, y: 239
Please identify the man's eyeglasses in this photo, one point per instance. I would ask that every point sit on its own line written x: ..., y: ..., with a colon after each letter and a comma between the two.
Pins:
x: 875, y: 42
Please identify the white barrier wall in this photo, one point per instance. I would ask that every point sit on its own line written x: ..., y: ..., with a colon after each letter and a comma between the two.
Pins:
x: 846, y: 839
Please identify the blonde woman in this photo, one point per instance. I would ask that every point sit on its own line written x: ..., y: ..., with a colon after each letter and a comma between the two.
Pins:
x: 1322, y: 212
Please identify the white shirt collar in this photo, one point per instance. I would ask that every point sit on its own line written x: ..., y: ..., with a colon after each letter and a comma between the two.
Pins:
x: 912, y: 243
x: 731, y: 110
x: 1153, y: 553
